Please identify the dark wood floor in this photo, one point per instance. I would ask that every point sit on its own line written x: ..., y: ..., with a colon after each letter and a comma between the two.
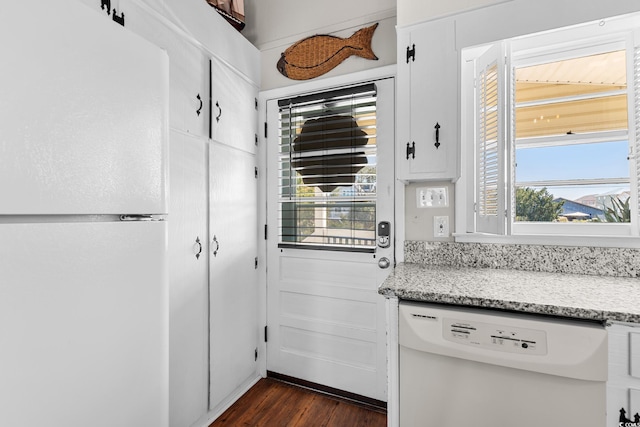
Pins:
x: 273, y: 403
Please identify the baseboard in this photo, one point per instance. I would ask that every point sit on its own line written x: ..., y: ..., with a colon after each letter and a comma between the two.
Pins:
x: 373, y: 404
x: 214, y: 413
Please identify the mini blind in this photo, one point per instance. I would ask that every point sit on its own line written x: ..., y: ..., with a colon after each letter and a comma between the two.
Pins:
x: 327, y: 169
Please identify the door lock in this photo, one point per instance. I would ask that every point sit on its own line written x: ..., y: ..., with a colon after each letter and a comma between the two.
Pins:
x: 384, y: 232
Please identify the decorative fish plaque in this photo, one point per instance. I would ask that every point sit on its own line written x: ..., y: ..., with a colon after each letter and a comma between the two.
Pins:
x: 316, y: 55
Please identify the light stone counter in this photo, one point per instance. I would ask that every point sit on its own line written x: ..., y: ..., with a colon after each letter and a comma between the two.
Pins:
x: 570, y: 295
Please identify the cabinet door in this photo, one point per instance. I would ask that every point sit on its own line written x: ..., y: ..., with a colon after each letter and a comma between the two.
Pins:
x: 234, y: 117
x: 428, y: 102
x: 233, y: 275
x: 188, y: 280
x: 188, y: 69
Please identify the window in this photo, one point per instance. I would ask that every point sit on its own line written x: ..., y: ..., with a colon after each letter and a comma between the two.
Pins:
x: 327, y: 167
x: 552, y: 132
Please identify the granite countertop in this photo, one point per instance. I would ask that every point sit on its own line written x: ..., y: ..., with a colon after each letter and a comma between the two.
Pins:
x: 570, y: 295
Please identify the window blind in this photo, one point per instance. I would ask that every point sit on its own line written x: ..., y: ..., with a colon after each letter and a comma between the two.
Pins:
x: 327, y: 169
x: 490, y: 142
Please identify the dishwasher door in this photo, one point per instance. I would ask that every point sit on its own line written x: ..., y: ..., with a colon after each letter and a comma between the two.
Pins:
x: 482, y: 368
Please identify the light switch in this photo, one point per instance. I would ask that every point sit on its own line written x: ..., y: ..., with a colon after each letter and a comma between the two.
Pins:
x: 432, y: 197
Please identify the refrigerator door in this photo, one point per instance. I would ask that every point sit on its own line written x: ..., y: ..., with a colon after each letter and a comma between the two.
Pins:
x: 83, y: 113
x: 83, y: 325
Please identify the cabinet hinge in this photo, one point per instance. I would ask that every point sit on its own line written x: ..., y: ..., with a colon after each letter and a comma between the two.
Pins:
x: 265, y: 130
x: 118, y: 19
x: 411, y: 150
x: 265, y: 232
x: 411, y: 53
x: 256, y: 172
x: 265, y: 334
x: 256, y: 263
x: 106, y: 6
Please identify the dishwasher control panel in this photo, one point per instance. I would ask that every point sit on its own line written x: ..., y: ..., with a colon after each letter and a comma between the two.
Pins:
x: 493, y: 336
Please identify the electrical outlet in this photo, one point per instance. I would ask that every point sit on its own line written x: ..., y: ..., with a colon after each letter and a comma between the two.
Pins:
x: 432, y: 197
x: 440, y: 226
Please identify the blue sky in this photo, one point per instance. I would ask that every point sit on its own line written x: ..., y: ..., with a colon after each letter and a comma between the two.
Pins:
x: 582, y: 161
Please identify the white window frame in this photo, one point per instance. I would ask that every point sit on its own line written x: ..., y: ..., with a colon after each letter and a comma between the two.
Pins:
x: 524, y: 51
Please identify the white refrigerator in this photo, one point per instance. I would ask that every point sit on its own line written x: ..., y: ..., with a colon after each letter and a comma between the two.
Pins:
x: 83, y: 211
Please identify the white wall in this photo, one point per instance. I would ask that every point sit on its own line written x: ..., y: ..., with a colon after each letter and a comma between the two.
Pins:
x: 415, y: 11
x: 273, y: 26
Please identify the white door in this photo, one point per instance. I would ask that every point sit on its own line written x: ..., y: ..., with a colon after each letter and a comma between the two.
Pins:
x: 233, y: 97
x: 326, y: 321
x: 233, y: 280
x: 188, y: 279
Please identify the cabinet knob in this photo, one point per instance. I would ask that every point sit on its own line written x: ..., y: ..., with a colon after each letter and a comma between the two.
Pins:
x: 199, y: 110
x: 217, y: 246
x: 219, y: 111
x: 197, y: 248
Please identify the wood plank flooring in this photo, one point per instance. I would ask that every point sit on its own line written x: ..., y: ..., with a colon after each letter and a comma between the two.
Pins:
x: 273, y: 403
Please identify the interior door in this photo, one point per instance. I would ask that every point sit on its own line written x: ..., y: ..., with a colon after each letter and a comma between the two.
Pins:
x: 326, y: 320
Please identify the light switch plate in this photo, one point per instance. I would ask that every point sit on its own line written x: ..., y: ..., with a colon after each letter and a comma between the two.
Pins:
x: 432, y: 197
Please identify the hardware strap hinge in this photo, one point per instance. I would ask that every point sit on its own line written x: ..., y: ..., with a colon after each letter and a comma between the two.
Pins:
x: 411, y: 150
x: 411, y: 53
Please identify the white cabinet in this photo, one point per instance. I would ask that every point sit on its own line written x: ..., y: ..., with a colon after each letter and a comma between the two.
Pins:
x: 233, y: 272
x: 428, y: 98
x: 234, y: 112
x: 623, y: 386
x: 188, y: 68
x: 188, y: 279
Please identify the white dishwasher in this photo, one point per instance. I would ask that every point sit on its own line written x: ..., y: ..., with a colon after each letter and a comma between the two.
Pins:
x: 487, y: 368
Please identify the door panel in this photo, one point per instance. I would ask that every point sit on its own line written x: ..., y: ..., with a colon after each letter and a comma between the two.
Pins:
x: 188, y: 280
x: 233, y: 276
x: 188, y: 69
x: 233, y: 99
x: 326, y: 320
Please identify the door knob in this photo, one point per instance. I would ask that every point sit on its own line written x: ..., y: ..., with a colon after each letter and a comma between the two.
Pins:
x: 384, y: 262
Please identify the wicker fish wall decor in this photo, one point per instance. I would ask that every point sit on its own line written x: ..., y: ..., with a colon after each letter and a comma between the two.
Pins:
x: 313, y: 56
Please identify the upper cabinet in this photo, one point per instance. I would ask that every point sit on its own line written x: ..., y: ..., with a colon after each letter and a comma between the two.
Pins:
x: 234, y: 108
x: 188, y: 73
x: 428, y: 98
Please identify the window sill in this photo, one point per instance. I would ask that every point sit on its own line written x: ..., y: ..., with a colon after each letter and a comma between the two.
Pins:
x: 546, y: 239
